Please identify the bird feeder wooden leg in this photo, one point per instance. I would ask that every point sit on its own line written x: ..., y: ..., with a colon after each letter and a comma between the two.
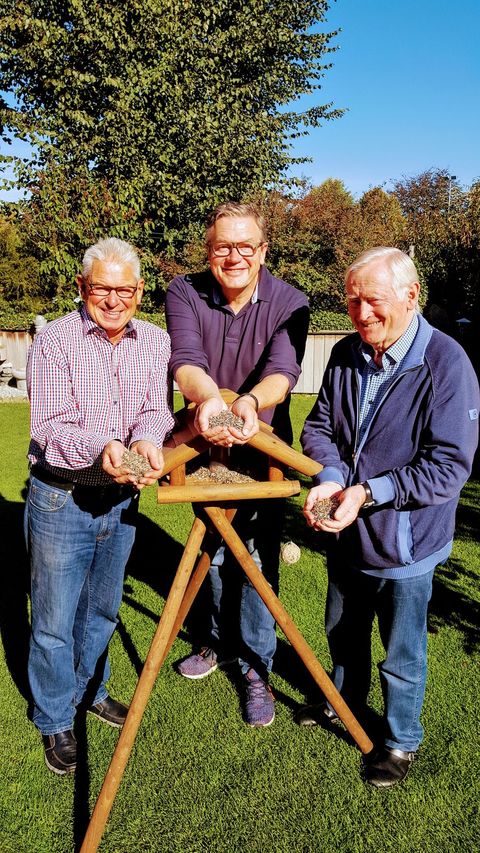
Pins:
x: 153, y: 662
x: 193, y: 587
x: 289, y: 628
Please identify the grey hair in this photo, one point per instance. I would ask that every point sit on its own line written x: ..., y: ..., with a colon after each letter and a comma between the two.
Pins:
x: 403, y: 271
x: 111, y: 249
x: 235, y: 208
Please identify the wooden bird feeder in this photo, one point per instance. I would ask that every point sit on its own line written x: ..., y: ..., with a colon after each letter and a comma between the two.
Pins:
x: 215, y: 505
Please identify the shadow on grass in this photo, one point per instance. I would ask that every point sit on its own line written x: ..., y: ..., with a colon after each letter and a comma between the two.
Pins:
x: 451, y: 606
x: 81, y: 793
x: 451, y: 602
x: 158, y: 570
x: 14, y: 619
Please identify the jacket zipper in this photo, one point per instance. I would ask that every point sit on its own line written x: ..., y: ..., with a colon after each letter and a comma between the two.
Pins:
x: 357, y: 413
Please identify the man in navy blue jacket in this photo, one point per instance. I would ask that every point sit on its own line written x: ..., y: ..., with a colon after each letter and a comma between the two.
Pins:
x: 395, y: 426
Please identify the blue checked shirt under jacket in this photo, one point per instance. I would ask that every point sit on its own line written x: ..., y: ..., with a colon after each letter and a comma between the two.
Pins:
x: 375, y: 380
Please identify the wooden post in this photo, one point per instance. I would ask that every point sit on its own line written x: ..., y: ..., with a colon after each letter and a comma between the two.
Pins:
x: 177, y: 476
x: 202, y: 492
x: 193, y: 587
x: 273, y: 446
x: 153, y: 662
x: 275, y: 472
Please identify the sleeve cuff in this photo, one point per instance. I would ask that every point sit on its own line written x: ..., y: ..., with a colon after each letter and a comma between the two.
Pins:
x: 329, y: 475
x: 153, y: 439
x: 383, y: 490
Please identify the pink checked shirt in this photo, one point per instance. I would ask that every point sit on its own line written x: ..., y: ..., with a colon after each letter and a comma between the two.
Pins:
x: 84, y: 392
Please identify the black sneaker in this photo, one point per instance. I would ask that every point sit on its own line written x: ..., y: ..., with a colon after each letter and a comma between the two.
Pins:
x: 110, y: 711
x: 316, y: 715
x: 60, y: 752
x: 387, y: 767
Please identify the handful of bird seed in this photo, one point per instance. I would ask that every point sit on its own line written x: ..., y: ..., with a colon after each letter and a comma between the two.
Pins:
x: 325, y: 508
x: 219, y: 474
x: 226, y: 418
x: 135, y: 464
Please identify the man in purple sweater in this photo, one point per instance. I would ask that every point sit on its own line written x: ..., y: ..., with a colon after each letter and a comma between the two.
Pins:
x: 236, y: 326
x: 395, y: 426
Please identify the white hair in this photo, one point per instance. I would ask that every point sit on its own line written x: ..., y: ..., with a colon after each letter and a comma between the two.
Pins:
x: 111, y: 249
x: 403, y: 271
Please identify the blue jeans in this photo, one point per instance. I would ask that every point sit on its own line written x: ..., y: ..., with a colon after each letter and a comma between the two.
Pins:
x: 241, y: 624
x: 401, y: 606
x: 79, y: 543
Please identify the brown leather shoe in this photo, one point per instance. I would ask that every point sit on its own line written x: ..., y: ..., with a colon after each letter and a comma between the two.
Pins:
x: 60, y: 752
x: 110, y: 711
x: 387, y: 767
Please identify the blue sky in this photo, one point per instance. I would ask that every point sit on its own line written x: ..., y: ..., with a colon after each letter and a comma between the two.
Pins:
x: 409, y: 73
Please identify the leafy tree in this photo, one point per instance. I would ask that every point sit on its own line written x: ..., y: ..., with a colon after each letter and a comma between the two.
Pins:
x: 19, y: 273
x: 145, y: 113
x: 306, y: 233
x: 380, y: 221
x: 436, y: 208
x: 318, y: 235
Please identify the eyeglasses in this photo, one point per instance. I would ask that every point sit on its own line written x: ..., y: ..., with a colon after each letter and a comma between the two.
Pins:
x: 223, y: 250
x: 122, y: 292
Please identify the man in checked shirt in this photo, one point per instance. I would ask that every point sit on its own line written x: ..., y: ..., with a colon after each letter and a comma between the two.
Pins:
x: 97, y: 383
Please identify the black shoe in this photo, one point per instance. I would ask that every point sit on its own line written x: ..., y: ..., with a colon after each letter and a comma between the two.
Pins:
x: 316, y: 715
x: 110, y: 711
x: 60, y: 752
x: 387, y: 767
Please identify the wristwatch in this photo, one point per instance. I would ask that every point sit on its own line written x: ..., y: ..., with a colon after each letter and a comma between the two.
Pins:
x: 369, y: 500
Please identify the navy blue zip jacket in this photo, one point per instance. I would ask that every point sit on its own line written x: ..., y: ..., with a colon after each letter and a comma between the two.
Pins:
x: 416, y: 454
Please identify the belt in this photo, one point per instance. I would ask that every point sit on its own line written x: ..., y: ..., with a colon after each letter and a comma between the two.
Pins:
x: 52, y: 479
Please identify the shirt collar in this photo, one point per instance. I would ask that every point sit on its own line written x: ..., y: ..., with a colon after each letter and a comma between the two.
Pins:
x: 90, y: 327
x: 262, y: 292
x: 219, y: 298
x: 399, y: 349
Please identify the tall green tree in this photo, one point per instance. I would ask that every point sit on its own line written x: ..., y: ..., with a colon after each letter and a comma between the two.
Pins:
x: 19, y: 273
x: 315, y: 237
x: 145, y: 113
x: 435, y: 208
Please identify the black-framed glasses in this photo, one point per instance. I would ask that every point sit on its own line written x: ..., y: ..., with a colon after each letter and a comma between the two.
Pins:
x: 122, y: 292
x: 223, y: 250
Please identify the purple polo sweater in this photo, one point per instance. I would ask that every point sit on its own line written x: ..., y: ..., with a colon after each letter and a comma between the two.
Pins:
x: 267, y: 335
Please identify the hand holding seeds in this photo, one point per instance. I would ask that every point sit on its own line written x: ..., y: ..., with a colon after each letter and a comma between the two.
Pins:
x: 135, y: 464
x: 325, y: 508
x: 226, y: 418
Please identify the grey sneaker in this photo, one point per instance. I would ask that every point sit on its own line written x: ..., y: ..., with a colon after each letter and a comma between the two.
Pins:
x: 259, y: 701
x: 199, y: 665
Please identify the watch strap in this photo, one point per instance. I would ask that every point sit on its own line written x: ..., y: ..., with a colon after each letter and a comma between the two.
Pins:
x: 369, y: 500
x: 248, y: 394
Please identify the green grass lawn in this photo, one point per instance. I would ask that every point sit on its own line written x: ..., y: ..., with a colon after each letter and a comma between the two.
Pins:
x: 198, y: 778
